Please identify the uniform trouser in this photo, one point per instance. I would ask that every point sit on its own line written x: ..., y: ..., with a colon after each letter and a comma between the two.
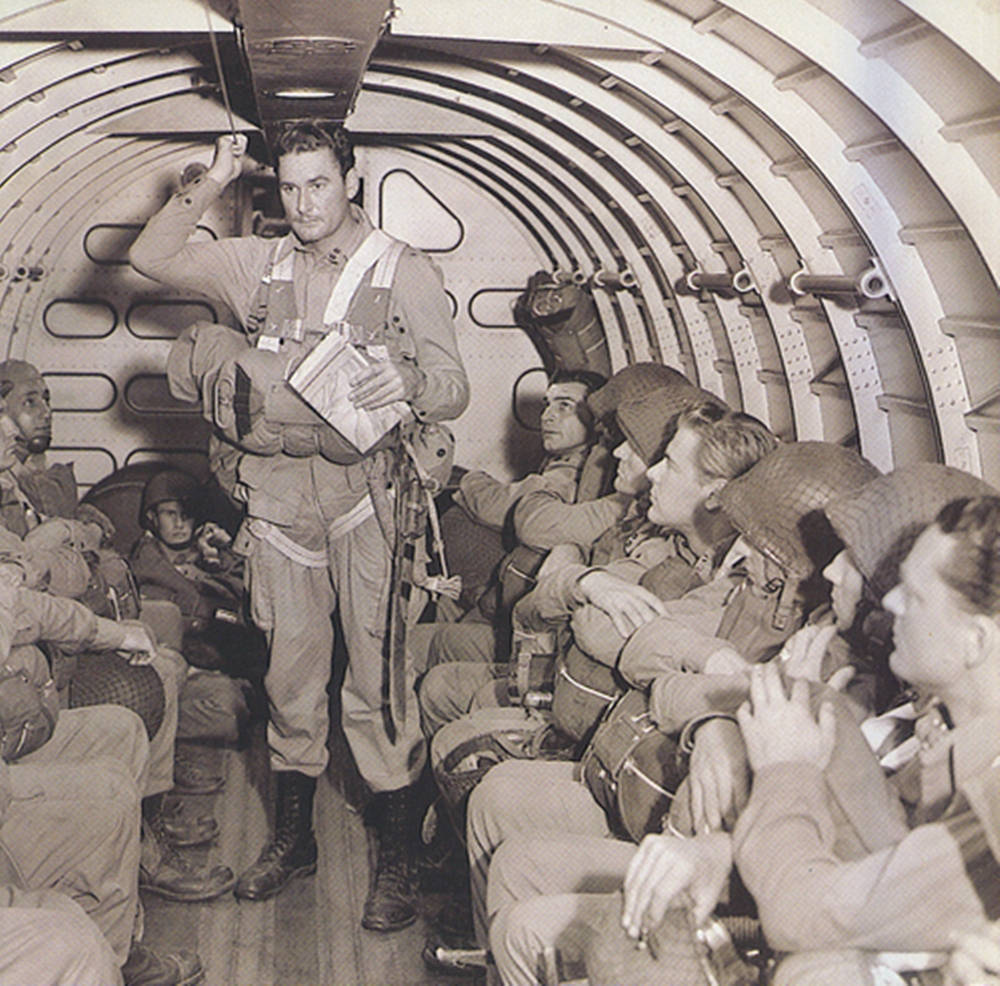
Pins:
x: 530, y: 797
x: 172, y: 671
x: 551, y: 890
x: 73, y: 822
x: 165, y: 620
x: 460, y: 660
x: 46, y: 938
x: 464, y: 641
x: 555, y: 891
x: 450, y: 691
x: 292, y: 603
x: 847, y: 968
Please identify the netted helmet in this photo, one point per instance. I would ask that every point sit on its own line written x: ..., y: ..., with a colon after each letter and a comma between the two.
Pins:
x: 647, y: 422
x: 106, y: 679
x: 631, y: 382
x: 880, y: 522
x: 778, y: 504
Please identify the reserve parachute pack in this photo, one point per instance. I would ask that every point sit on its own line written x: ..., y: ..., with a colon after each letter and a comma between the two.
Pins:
x: 243, y: 387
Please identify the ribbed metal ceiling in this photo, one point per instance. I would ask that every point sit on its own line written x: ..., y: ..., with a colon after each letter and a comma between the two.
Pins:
x: 839, y: 160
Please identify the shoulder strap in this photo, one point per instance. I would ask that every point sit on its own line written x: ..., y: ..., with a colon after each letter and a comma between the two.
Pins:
x: 280, y: 270
x: 374, y: 245
x: 385, y: 269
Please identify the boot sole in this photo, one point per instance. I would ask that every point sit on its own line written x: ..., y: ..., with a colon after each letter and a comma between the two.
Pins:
x: 187, y: 898
x: 308, y: 870
x: 383, y: 926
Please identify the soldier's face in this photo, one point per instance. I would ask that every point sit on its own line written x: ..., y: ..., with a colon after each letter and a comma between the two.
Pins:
x: 678, y: 486
x: 846, y: 587
x: 173, y: 523
x: 631, y: 476
x: 930, y: 622
x: 29, y: 408
x: 563, y: 425
x: 315, y: 195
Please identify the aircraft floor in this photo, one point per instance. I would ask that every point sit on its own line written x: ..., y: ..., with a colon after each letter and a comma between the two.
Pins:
x: 310, y: 934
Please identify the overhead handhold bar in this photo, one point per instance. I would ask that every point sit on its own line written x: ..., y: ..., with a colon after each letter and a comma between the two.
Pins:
x: 870, y: 283
x: 740, y: 282
x: 613, y: 280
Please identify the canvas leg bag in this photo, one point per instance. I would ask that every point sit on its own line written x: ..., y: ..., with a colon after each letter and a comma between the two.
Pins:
x: 583, y: 690
x: 632, y: 768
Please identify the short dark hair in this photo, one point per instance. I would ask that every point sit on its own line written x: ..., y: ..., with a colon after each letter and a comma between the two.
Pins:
x: 591, y: 381
x: 299, y: 136
x: 973, y: 567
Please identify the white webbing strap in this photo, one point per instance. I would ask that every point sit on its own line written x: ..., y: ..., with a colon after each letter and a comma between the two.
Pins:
x: 385, y: 269
x: 281, y: 270
x: 267, y: 531
x: 371, y: 249
x: 357, y: 515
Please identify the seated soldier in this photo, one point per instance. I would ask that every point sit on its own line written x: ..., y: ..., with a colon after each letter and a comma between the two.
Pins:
x: 46, y: 938
x: 567, y: 433
x: 451, y: 689
x: 878, y: 524
x: 940, y: 878
x: 69, y: 808
x: 186, y: 558
x: 39, y: 503
x: 757, y: 616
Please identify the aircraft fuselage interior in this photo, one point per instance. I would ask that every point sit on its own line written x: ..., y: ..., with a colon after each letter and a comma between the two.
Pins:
x: 793, y: 203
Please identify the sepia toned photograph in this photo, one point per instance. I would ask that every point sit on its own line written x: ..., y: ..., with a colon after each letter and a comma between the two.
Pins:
x: 500, y: 492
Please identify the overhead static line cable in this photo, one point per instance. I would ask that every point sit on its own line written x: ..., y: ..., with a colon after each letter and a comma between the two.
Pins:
x: 218, y: 68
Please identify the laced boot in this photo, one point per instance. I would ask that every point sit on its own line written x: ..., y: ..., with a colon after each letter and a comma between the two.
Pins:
x: 145, y: 968
x: 164, y: 872
x: 390, y: 904
x: 172, y: 823
x: 292, y: 851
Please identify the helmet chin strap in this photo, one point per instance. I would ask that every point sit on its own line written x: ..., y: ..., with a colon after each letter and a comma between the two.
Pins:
x: 179, y: 547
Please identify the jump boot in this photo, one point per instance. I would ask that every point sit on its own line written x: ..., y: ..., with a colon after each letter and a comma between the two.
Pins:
x: 292, y: 851
x: 389, y: 906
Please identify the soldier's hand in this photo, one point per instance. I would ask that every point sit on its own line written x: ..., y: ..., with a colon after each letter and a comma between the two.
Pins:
x: 227, y: 165
x: 718, y: 775
x: 666, y: 867
x: 385, y: 382
x: 628, y: 605
x: 138, y: 646
x: 780, y: 728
